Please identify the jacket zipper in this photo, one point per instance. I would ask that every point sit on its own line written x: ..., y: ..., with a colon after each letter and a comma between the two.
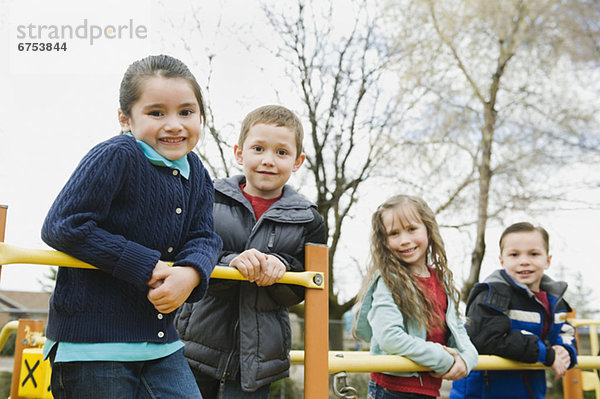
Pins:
x: 226, y: 372
x: 271, y: 239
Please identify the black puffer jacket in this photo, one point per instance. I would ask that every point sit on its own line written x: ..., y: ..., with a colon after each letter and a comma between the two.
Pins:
x: 238, y: 323
x: 506, y: 319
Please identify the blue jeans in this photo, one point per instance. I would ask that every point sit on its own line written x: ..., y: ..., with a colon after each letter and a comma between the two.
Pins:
x: 232, y: 389
x: 379, y: 392
x: 166, y: 378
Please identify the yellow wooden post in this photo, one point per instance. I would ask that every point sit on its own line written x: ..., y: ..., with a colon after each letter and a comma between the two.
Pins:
x: 594, y: 347
x: 24, y: 332
x: 316, y: 327
x: 572, y: 387
x: 3, y: 211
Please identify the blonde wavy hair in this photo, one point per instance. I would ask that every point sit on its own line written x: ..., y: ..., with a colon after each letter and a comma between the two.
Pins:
x: 405, y: 289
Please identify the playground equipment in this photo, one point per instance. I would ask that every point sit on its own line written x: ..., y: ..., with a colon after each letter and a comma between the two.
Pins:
x: 318, y: 360
x: 588, y: 379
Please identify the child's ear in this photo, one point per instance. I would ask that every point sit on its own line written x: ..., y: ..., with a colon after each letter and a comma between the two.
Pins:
x: 237, y: 151
x: 549, y: 259
x: 124, y: 122
x: 299, y: 161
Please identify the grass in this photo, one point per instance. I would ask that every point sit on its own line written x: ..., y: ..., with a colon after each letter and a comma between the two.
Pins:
x: 5, y: 380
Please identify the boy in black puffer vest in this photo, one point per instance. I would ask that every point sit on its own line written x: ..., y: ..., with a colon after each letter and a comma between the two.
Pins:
x: 237, y: 339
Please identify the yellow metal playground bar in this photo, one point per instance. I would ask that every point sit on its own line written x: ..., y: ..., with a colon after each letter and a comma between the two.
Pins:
x: 319, y: 361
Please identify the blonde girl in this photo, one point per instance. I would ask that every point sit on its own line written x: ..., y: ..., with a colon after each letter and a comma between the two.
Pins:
x: 409, y: 302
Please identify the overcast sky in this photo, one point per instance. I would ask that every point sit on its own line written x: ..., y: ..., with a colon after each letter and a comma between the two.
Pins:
x: 54, y: 106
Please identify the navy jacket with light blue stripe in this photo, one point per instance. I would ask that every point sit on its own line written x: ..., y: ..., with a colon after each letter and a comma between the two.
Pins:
x: 506, y: 319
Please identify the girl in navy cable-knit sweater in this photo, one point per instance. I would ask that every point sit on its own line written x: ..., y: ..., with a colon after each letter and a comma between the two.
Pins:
x: 135, y: 201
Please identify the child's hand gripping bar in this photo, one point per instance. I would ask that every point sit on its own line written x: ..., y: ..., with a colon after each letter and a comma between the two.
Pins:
x: 11, y: 254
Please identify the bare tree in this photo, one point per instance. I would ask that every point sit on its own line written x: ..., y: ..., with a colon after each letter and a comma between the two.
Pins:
x: 578, y: 296
x: 340, y: 75
x: 511, y: 99
x: 199, y: 37
x: 337, y: 61
x: 476, y: 105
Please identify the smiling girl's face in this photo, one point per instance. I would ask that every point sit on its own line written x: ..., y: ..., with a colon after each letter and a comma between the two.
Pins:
x: 407, y: 236
x: 166, y: 116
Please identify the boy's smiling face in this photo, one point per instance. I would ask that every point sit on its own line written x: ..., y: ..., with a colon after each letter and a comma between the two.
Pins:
x: 525, y: 258
x: 269, y: 157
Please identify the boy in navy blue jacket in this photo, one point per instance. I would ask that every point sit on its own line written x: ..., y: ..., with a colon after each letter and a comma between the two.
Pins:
x: 519, y: 313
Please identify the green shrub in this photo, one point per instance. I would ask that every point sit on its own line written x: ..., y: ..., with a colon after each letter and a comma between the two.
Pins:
x: 285, y: 388
x: 5, y: 381
x: 9, y: 346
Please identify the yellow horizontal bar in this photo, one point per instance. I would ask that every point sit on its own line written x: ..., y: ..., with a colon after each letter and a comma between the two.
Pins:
x: 305, y: 279
x: 13, y: 254
x: 584, y: 322
x: 10, y: 254
x: 364, y: 362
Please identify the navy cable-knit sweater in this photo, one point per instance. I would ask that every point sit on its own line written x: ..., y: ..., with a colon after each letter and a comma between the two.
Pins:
x: 122, y: 214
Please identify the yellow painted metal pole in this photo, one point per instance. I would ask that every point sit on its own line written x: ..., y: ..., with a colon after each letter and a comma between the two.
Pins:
x: 316, y: 328
x: 6, y: 331
x: 364, y: 362
x: 3, y: 211
x: 588, y: 362
x: 594, y: 339
x: 10, y: 254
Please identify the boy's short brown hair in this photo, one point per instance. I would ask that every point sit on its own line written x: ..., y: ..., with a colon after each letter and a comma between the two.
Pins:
x: 276, y: 115
x: 526, y: 227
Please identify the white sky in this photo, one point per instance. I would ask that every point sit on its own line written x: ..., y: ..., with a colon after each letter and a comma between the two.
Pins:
x: 55, y: 106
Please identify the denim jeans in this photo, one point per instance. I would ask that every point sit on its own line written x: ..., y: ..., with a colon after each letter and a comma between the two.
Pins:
x: 232, y: 389
x: 379, y: 392
x: 169, y: 378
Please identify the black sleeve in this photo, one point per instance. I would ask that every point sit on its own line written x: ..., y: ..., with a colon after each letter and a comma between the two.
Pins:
x: 490, y: 328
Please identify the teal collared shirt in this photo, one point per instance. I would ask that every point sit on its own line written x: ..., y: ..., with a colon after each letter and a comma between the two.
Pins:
x: 111, y: 351
x: 182, y: 164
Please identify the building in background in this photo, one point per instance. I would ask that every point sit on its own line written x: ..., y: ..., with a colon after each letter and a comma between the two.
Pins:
x: 16, y: 305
